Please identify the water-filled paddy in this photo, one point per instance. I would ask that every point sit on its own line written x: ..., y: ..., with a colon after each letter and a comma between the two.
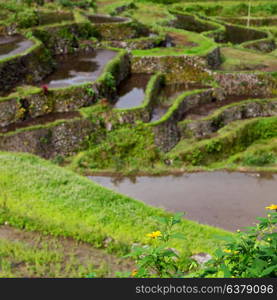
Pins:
x: 13, y: 45
x: 206, y: 109
x: 223, y: 199
x: 131, y: 91
x: 75, y: 69
x: 167, y: 96
x: 105, y: 19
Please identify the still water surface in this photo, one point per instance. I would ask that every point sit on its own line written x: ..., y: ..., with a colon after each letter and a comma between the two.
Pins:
x: 223, y: 199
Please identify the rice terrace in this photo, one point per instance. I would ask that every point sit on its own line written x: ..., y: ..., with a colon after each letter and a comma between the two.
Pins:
x: 138, y: 138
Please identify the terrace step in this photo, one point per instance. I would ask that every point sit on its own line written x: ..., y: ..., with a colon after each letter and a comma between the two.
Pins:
x: 42, y: 120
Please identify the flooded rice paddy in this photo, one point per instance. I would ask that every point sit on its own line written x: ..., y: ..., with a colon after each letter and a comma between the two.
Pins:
x: 75, y: 69
x: 99, y: 19
x: 131, y: 91
x: 229, y: 200
x: 13, y: 45
x: 167, y: 96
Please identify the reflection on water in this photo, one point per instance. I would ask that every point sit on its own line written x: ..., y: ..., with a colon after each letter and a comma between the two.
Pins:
x: 168, y: 95
x: 131, y: 91
x: 12, y: 45
x: 227, y: 200
x: 106, y: 19
x: 206, y: 109
x: 74, y: 69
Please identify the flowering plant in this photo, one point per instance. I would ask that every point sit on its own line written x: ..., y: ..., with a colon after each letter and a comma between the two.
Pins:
x: 249, y: 254
x: 155, y: 259
x: 45, y: 89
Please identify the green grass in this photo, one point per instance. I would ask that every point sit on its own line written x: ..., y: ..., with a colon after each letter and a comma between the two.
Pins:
x: 240, y: 59
x: 31, y: 254
x: 232, y: 139
x: 128, y: 148
x: 260, y: 154
x: 203, y: 45
x: 259, y: 8
x: 146, y: 12
x: 37, y: 195
x: 21, y: 260
x: 62, y: 203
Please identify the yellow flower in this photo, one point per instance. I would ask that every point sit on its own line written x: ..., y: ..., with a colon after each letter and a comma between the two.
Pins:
x: 227, y: 250
x: 134, y: 273
x: 154, y: 234
x: 272, y: 207
x: 269, y: 239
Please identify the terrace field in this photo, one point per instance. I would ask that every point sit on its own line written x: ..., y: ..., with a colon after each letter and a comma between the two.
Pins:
x: 124, y: 89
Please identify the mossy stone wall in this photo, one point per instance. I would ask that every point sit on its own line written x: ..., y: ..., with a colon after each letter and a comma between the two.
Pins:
x: 238, y: 34
x: 265, y: 45
x: 63, y: 139
x: 28, y: 68
x: 167, y: 133
x: 252, y: 84
x: 63, y: 39
x: 38, y: 103
x: 120, y: 31
x: 177, y: 69
x: 249, y: 109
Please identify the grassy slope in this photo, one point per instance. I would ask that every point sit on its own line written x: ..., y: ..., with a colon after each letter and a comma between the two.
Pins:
x: 261, y: 153
x: 202, y: 44
x: 37, y: 195
x: 235, y: 140
x: 239, y: 59
x: 18, y: 259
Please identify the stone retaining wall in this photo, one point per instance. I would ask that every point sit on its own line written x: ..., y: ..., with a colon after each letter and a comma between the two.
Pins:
x: 37, y: 104
x: 166, y: 132
x: 204, y: 128
x: 177, y: 69
x: 63, y: 139
x: 246, y: 84
x: 120, y: 31
x: 64, y: 39
x: 28, y: 68
x: 265, y: 45
x: 143, y: 112
x: 140, y: 43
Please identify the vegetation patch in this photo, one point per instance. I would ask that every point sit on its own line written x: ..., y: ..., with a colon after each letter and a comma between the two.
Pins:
x: 66, y: 204
x: 213, y: 50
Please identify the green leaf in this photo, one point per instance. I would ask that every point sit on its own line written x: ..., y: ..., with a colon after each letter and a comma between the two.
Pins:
x: 227, y: 273
x: 226, y: 238
x: 268, y: 270
x: 259, y: 263
x: 178, y: 215
x: 177, y: 218
x: 178, y: 235
x: 169, y: 253
x: 161, y: 219
x: 91, y: 275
